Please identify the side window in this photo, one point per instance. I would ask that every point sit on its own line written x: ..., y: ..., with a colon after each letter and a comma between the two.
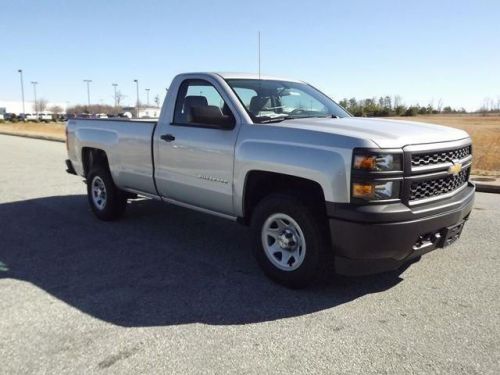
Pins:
x: 200, y: 104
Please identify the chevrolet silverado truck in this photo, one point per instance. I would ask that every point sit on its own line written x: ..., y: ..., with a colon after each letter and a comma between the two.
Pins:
x: 320, y: 189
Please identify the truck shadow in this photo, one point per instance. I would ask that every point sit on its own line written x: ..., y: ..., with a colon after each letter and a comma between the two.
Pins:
x: 160, y: 265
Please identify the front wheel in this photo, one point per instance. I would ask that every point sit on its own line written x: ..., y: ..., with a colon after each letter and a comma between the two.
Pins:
x: 290, y: 241
x: 105, y: 199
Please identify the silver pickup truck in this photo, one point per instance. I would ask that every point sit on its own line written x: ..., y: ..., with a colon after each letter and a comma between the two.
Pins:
x: 321, y: 190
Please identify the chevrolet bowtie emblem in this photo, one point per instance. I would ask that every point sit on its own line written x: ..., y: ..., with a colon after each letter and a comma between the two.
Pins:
x: 455, y: 168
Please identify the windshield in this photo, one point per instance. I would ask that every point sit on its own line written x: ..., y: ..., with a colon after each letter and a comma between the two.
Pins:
x: 272, y: 101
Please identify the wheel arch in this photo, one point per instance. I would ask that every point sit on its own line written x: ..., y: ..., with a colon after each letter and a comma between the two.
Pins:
x: 259, y: 184
x: 91, y: 157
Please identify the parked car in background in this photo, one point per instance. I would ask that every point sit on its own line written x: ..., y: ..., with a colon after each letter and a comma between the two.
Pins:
x: 11, y: 117
x: 30, y: 117
x: 45, y: 117
x: 125, y: 115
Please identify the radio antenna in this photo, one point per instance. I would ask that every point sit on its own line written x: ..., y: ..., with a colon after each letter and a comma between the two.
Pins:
x: 259, y: 52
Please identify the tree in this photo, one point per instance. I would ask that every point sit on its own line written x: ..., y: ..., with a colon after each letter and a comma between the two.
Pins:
x: 440, y: 105
x: 55, y: 109
x: 388, y: 103
x: 381, y: 102
x: 397, y: 101
x: 344, y: 103
x: 119, y: 98
x: 411, y: 111
x: 40, y: 105
x: 93, y: 109
x: 391, y: 106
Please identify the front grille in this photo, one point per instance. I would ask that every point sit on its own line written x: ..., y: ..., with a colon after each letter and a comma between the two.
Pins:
x: 438, y: 157
x: 435, y: 187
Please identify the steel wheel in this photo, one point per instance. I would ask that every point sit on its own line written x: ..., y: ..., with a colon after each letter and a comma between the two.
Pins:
x: 99, y: 195
x: 283, y: 242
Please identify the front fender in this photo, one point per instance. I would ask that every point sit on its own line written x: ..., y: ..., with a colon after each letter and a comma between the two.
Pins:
x: 326, y: 166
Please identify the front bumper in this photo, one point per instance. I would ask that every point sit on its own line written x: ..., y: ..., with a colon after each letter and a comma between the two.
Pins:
x: 372, y: 239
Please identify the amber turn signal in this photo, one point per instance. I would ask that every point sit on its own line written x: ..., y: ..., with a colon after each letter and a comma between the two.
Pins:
x: 365, y: 162
x: 365, y: 191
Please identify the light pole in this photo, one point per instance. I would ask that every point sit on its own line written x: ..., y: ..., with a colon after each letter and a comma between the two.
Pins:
x: 20, y: 71
x: 115, y: 85
x: 87, y: 81
x: 147, y: 93
x: 34, y: 83
x: 137, y: 104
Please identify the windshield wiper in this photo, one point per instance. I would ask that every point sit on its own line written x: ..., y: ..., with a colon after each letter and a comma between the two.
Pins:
x: 325, y: 116
x: 282, y: 118
x: 276, y: 119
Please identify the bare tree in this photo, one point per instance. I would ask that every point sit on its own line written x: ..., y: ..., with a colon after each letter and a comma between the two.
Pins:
x: 119, y: 98
x: 40, y: 105
x: 486, y: 105
x: 55, y: 109
x: 397, y: 101
x: 440, y: 105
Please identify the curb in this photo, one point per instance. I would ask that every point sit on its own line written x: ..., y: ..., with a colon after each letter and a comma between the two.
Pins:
x: 492, y: 186
x: 485, y: 188
x: 34, y: 136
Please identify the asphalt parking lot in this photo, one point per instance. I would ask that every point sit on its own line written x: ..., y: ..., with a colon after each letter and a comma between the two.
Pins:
x: 167, y: 290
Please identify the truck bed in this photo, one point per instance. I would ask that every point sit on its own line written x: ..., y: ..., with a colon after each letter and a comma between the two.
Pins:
x: 127, y: 143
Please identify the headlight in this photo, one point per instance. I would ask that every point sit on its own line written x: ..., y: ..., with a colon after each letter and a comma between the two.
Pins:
x: 376, y: 190
x: 376, y: 162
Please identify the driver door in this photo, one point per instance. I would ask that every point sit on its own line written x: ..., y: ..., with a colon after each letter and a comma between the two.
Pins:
x: 196, y: 154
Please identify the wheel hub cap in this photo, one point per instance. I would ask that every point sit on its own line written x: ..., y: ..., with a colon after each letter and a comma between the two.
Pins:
x: 99, y: 195
x: 283, y: 242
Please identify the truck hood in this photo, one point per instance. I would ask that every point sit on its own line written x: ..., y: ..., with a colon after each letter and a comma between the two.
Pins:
x: 385, y: 133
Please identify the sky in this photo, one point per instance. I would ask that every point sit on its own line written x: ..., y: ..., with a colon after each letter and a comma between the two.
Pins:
x: 424, y: 51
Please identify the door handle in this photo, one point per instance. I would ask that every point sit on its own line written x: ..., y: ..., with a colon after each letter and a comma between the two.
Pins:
x: 168, y: 137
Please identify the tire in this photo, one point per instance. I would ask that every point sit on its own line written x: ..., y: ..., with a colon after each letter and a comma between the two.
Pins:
x: 295, y: 260
x: 105, y: 199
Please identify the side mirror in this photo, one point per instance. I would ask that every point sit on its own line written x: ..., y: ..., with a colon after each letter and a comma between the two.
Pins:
x: 212, y: 116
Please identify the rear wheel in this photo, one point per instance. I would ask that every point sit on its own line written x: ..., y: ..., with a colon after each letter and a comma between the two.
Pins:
x: 105, y: 199
x: 290, y: 241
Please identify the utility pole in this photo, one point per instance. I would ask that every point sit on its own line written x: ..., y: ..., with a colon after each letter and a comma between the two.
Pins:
x: 137, y: 103
x: 87, y: 81
x: 116, y: 102
x: 20, y: 71
x: 147, y: 93
x: 34, y: 83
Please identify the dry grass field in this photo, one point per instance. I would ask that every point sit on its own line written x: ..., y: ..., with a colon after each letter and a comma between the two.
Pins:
x: 52, y: 129
x: 484, y: 130
x: 485, y: 133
